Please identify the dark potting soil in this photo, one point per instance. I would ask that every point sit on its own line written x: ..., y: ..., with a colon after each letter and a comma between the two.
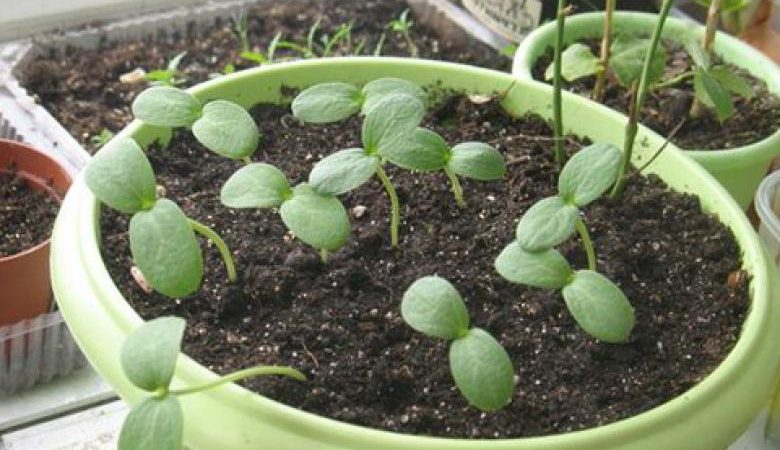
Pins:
x: 26, y: 215
x: 340, y: 323
x: 82, y: 90
x: 754, y: 119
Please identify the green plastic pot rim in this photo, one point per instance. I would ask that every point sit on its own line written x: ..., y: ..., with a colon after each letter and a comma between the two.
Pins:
x: 738, y: 156
x: 190, y: 372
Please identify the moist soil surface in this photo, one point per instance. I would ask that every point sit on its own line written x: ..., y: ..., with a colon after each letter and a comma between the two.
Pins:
x: 82, y: 90
x: 754, y: 118
x: 340, y: 323
x: 26, y: 215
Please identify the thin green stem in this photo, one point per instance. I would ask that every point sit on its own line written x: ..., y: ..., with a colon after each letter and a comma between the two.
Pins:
x: 324, y: 255
x: 247, y: 160
x: 413, y: 51
x: 241, y: 374
x: 211, y: 235
x: 606, y: 43
x: 395, y: 208
x: 639, y: 100
x: 674, y: 80
x: 557, y: 108
x: 457, y: 190
x: 587, y: 243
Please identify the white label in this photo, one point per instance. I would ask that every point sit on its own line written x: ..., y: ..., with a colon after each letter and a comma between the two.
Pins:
x: 513, y: 19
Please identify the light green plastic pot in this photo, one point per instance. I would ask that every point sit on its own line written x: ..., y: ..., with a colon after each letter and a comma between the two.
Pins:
x: 739, y: 169
x: 709, y: 416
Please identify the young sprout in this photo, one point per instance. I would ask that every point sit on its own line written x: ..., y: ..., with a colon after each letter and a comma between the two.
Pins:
x: 101, y: 138
x: 332, y: 102
x: 241, y: 31
x: 221, y: 126
x: 343, y: 33
x: 597, y: 304
x: 403, y: 26
x: 384, y: 129
x: 169, y: 76
x: 148, y: 359
x: 162, y: 238
x: 317, y: 219
x: 479, y: 364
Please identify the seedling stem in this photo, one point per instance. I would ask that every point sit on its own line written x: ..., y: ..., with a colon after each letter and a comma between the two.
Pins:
x: 209, y: 234
x: 457, y: 190
x: 557, y: 108
x: 395, y: 217
x: 606, y: 42
x: 587, y: 243
x: 240, y: 375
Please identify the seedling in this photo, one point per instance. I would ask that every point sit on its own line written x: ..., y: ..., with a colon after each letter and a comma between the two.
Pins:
x: 101, y: 138
x: 162, y: 238
x: 221, y: 126
x: 171, y: 76
x: 148, y: 359
x: 597, y: 304
x: 317, y: 219
x: 479, y: 364
x: 403, y: 26
x: 343, y: 33
x: 241, y: 31
x: 560, y: 20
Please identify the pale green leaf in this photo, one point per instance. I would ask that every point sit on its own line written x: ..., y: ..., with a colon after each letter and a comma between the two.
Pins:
x: 155, y: 424
x: 546, y: 269
x: 599, y: 307
x: 327, y: 102
x: 546, y: 224
x: 589, y: 173
x: 712, y: 94
x: 394, y: 117
x: 431, y: 305
x: 477, y: 160
x: 256, y: 185
x: 628, y: 57
x: 577, y: 61
x: 375, y: 91
x: 343, y: 171
x: 226, y: 129
x: 121, y: 176
x: 166, y: 106
x: 732, y: 82
x: 149, y: 353
x: 482, y: 370
x: 165, y: 249
x: 422, y: 150
x: 318, y: 220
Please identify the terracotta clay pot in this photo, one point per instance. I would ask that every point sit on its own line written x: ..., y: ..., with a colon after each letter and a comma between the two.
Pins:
x: 25, y: 289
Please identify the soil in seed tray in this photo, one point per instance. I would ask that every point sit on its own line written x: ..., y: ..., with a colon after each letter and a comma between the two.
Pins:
x: 340, y: 323
x: 26, y: 215
x: 754, y: 119
x: 82, y: 89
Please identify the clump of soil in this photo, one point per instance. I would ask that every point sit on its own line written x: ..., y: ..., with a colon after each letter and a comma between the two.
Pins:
x: 340, y: 323
x: 26, y: 215
x: 754, y: 118
x: 82, y: 90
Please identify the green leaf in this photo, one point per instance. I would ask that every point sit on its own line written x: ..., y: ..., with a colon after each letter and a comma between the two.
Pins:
x: 422, y: 150
x: 546, y: 224
x: 149, y: 353
x: 318, y: 220
x: 478, y: 161
x: 589, y: 173
x: 712, y: 94
x: 546, y: 269
x: 165, y: 249
x: 577, y: 61
x: 166, y: 106
x: 599, y: 307
x: 173, y: 64
x: 394, y: 117
x: 255, y: 57
x: 121, y: 176
x: 256, y: 185
x: 431, y: 305
x: 343, y: 171
x: 732, y: 82
x: 699, y: 56
x: 327, y: 102
x: 375, y: 91
x: 155, y: 424
x: 226, y: 129
x: 482, y: 370
x: 628, y: 56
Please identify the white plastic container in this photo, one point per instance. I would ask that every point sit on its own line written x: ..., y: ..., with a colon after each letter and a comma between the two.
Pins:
x: 768, y: 209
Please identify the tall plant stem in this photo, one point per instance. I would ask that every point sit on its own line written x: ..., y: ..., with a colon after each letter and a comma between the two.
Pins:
x: 606, y: 43
x: 240, y: 375
x: 457, y: 190
x: 710, y: 28
x: 557, y: 107
x: 395, y: 208
x: 587, y: 243
x: 324, y: 255
x: 639, y: 100
x: 211, y: 235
